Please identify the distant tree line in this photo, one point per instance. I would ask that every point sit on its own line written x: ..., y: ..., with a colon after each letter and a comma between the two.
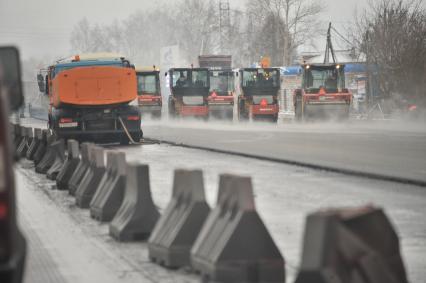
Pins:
x: 273, y: 28
x: 392, y: 35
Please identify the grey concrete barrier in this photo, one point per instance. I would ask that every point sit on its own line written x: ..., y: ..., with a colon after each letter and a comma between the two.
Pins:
x: 175, y: 233
x: 351, y: 245
x: 34, y: 144
x: 12, y: 132
x: 18, y: 136
x: 58, y: 162
x: 30, y: 139
x: 234, y: 245
x: 22, y: 148
x: 91, y: 179
x: 70, y: 165
x: 137, y: 215
x: 49, y: 157
x: 81, y: 169
x: 110, y: 192
x: 41, y: 149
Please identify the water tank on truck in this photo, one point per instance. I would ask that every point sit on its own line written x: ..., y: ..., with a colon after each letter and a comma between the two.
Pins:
x: 89, y: 98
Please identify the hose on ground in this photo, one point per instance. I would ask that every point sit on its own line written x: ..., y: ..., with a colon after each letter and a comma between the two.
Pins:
x: 132, y: 141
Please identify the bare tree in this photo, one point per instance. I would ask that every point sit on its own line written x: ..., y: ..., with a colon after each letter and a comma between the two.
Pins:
x: 80, y: 36
x: 269, y: 27
x: 85, y: 38
x: 392, y: 34
x: 291, y: 24
x: 196, y: 27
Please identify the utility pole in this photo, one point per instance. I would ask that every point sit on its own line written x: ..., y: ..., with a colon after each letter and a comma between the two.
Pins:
x: 329, y: 47
x: 224, y: 25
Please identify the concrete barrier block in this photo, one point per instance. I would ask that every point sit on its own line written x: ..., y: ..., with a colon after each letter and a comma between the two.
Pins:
x: 58, y: 162
x: 137, y: 215
x: 52, y: 148
x: 26, y: 133
x: 16, y: 133
x: 175, y: 233
x: 70, y: 165
x: 34, y: 144
x: 351, y: 245
x: 41, y: 149
x: 234, y: 244
x: 81, y: 169
x: 91, y: 179
x: 110, y: 192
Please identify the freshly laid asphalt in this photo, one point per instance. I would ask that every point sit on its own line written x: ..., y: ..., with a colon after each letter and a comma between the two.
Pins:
x: 390, y: 150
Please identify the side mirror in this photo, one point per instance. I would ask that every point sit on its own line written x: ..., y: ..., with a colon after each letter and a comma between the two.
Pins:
x: 41, y: 85
x: 165, y: 74
x: 10, y: 77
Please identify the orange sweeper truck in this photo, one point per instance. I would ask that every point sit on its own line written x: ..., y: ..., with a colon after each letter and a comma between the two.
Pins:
x: 89, y: 98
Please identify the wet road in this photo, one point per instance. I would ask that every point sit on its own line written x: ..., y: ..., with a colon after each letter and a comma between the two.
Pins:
x: 284, y: 195
x: 393, y: 151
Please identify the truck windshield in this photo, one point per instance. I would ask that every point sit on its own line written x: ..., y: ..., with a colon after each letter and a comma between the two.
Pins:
x: 190, y: 78
x: 260, y: 78
x: 328, y: 78
x: 221, y: 81
x: 199, y: 78
x: 147, y: 83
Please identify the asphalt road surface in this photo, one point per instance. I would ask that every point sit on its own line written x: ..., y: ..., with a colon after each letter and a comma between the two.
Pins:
x: 69, y: 241
x: 385, y: 150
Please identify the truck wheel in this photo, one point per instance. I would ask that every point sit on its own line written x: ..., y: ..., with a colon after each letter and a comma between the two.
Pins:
x: 172, y: 110
x: 137, y: 136
x: 124, y: 140
x: 298, y: 114
x: 230, y: 116
x: 275, y: 118
x: 344, y: 116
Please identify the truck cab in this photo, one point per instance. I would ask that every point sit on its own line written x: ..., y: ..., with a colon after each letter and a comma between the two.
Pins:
x: 221, y: 96
x: 149, y: 93
x: 259, y: 94
x: 190, y: 89
x: 323, y: 92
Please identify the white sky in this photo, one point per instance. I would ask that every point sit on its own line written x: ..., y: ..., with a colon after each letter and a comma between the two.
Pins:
x: 41, y: 28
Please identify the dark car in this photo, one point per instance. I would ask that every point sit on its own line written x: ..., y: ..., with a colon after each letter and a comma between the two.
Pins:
x: 12, y: 242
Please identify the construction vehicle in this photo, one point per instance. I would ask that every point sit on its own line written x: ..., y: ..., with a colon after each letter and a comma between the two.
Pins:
x: 13, y: 246
x: 150, y: 101
x: 323, y: 92
x: 221, y: 96
x: 189, y: 92
x: 89, y: 98
x: 259, y: 94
